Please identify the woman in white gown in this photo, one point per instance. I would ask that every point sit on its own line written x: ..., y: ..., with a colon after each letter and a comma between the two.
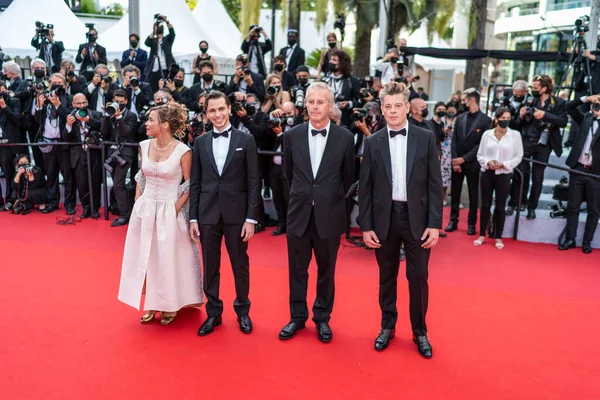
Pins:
x: 159, y: 253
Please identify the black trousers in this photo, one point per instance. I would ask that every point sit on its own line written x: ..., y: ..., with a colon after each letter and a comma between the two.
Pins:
x: 7, y: 158
x: 281, y: 192
x: 583, y: 188
x: 490, y: 184
x: 457, y: 178
x: 300, y: 249
x: 81, y: 177
x: 537, y: 152
x: 59, y: 160
x: 417, y: 272
x: 118, y: 176
x: 29, y: 129
x: 210, y: 239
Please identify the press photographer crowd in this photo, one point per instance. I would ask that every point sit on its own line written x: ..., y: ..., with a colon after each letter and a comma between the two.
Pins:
x: 89, y: 106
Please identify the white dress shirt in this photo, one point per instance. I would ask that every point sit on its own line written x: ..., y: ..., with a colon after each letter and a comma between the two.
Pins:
x: 387, y: 71
x: 51, y: 126
x: 288, y: 54
x: 220, y: 147
x: 277, y: 159
x: 508, y: 150
x: 585, y: 157
x: 162, y: 64
x: 316, y: 147
x: 398, y: 145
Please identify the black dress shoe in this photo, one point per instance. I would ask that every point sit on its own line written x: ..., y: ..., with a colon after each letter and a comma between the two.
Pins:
x: 567, y: 244
x: 452, y: 226
x: 530, y: 214
x: 423, y: 346
x: 586, y: 247
x: 324, y: 332
x: 120, y: 222
x: 443, y: 234
x: 471, y: 230
x: 209, y: 325
x: 49, y: 209
x: 280, y: 230
x: 86, y: 213
x: 96, y: 214
x: 402, y: 254
x: 289, y: 331
x: 245, y: 324
x: 510, y: 210
x: 383, y: 340
x: 522, y: 207
x: 70, y: 211
x: 267, y: 193
x: 259, y: 227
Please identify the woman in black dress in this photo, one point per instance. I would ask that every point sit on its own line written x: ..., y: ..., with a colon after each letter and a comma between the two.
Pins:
x: 203, y: 56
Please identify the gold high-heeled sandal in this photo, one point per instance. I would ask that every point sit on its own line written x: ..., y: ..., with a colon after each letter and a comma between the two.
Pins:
x: 167, y: 319
x: 148, y: 317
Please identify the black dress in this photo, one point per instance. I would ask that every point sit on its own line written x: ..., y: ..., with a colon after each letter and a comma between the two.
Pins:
x: 200, y: 60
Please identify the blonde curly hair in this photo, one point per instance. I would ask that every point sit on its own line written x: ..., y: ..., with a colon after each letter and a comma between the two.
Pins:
x: 175, y: 115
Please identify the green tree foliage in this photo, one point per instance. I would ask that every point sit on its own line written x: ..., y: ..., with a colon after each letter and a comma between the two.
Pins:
x: 88, y: 7
x: 233, y: 7
x: 113, y: 9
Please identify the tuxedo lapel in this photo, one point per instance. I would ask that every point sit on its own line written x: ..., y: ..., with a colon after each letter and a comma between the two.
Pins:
x: 384, y: 148
x: 473, y: 126
x: 236, y: 136
x: 411, y: 148
x: 463, y: 125
x: 304, y: 147
x: 330, y: 147
x: 209, y: 151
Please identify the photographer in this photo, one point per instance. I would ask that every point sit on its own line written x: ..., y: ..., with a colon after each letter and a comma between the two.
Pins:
x: 418, y: 113
x: 75, y: 84
x: 162, y: 97
x: 201, y: 58
x: 345, y: 86
x: 99, y: 91
x: 516, y: 99
x: 390, y: 66
x: 28, y: 95
x: 10, y: 115
x: 161, y: 54
x: 279, y: 68
x: 206, y: 85
x: 256, y: 50
x: 365, y: 121
x: 274, y: 95
x: 119, y: 125
x: 540, y: 125
x: 332, y: 44
x: 135, y: 56
x: 175, y: 86
x: 292, y: 53
x: 50, y: 50
x: 246, y: 81
x: 83, y: 126
x: 298, y: 92
x: 28, y: 187
x: 199, y: 124
x: 19, y: 89
x: 139, y: 94
x: 51, y: 111
x: 90, y: 54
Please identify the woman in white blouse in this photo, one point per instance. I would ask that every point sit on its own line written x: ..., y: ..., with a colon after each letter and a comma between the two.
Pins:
x: 500, y: 151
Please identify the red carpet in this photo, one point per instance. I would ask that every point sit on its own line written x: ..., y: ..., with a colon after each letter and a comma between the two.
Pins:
x: 520, y: 323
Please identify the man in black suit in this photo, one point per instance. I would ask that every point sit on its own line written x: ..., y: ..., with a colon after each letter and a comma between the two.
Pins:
x: 246, y: 81
x: 418, y: 113
x: 256, y: 50
x: 345, y: 86
x: 135, y: 56
x: 121, y: 128
x: 176, y: 86
x: 83, y: 126
x: 99, y: 91
x: 89, y: 55
x: 206, y: 85
x: 288, y: 79
x: 294, y: 54
x: 161, y: 52
x: 10, y: 116
x: 584, y: 157
x: 75, y: 84
x: 468, y: 129
x: 51, y: 117
x: 224, y: 191
x: 400, y: 202
x: 139, y: 94
x: 50, y: 50
x: 318, y: 162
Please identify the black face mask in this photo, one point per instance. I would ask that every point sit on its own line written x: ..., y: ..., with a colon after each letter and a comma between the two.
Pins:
x: 178, y: 83
x: 302, y: 81
x: 424, y: 113
x: 536, y: 94
x: 332, y: 44
x: 292, y: 42
x: 451, y: 115
x: 133, y: 44
x: 441, y: 114
x: 518, y: 99
x: 278, y: 67
x: 207, y: 77
x: 39, y: 73
x: 503, y: 123
x: 122, y: 106
x: 93, y: 39
x: 332, y: 67
x: 203, y: 50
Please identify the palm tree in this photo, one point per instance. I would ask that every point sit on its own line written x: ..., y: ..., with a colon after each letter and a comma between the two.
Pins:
x: 476, y: 40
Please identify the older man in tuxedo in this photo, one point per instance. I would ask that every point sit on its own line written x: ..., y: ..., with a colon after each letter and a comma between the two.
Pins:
x: 400, y: 202
x: 318, y: 162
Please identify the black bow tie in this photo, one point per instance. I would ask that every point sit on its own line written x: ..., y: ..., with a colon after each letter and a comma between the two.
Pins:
x: 224, y: 133
x: 316, y: 132
x: 400, y: 132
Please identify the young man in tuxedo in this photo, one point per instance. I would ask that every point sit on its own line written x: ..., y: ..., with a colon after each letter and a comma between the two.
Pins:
x: 318, y: 161
x: 400, y: 202
x: 224, y: 202
x: 294, y: 54
x: 468, y: 129
x: 135, y: 56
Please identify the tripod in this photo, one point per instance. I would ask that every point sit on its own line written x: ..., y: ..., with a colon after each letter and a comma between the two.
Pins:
x: 577, y: 60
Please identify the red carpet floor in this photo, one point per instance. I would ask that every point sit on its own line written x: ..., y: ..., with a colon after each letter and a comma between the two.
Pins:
x: 521, y: 323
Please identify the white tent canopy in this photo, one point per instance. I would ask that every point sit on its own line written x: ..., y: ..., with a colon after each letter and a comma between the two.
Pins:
x: 212, y: 17
x: 20, y: 17
x: 419, y: 39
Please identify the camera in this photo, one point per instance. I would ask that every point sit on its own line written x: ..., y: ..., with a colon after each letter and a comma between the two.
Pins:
x: 298, y: 94
x: 358, y: 114
x: 43, y: 31
x: 173, y: 70
x: 88, y: 34
x: 79, y: 112
x: 5, y: 95
x: 159, y: 17
x: 58, y: 92
x: 70, y: 74
x: 106, y: 79
x: 91, y: 136
x: 272, y: 90
x: 28, y: 167
x: 36, y: 88
x: 115, y: 158
x: 134, y: 81
x: 197, y: 127
x: 273, y: 123
x: 340, y: 98
x: 111, y: 109
x: 366, y: 92
x: 244, y: 61
x: 595, y: 107
x: 340, y: 23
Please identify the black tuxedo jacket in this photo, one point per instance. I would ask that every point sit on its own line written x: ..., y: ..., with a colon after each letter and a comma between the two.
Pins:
x: 10, y: 117
x: 325, y: 194
x: 66, y: 101
x: 233, y: 195
x: 77, y: 152
x: 78, y: 86
x: 167, y: 46
x: 140, y: 60
x: 190, y: 97
x: 57, y: 50
x: 141, y: 99
x: 260, y: 48
x: 87, y: 60
x: 122, y: 130
x: 258, y: 87
x: 423, y: 187
x: 466, y: 143
x: 21, y: 91
x: 296, y: 60
x: 92, y: 97
x: 585, y: 122
x: 350, y: 90
x: 556, y: 115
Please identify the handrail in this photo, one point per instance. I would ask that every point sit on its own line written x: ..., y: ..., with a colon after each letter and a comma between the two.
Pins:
x: 567, y: 169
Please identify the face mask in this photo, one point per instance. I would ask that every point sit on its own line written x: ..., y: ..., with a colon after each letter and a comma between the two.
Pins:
x: 39, y: 73
x: 207, y: 77
x: 133, y: 44
x: 203, y: 50
x: 518, y: 99
x: 292, y: 42
x: 451, y: 115
x: 302, y: 81
x: 441, y: 114
x: 536, y: 93
x: 178, y: 83
x: 93, y: 39
x: 332, y: 44
x: 122, y: 107
x: 332, y: 67
x: 424, y: 113
x: 278, y: 67
x: 503, y: 123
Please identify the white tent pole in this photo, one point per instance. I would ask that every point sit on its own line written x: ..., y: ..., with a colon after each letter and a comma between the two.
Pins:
x: 134, y: 17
